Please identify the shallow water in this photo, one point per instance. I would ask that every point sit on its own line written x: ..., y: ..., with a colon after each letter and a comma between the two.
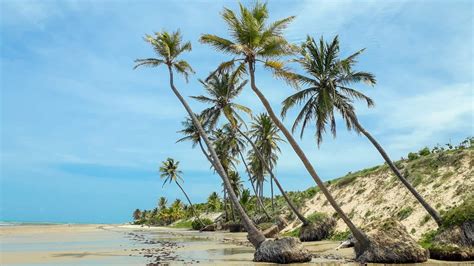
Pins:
x: 119, y: 245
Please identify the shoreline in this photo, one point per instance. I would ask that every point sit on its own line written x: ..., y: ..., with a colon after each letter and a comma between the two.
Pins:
x: 127, y: 244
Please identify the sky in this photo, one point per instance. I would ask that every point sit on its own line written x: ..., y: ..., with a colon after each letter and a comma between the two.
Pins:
x: 82, y: 133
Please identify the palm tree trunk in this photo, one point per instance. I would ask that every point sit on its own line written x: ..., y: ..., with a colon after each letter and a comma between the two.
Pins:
x: 255, y: 236
x: 271, y: 189
x: 205, y: 153
x: 190, y: 203
x: 361, y: 237
x: 434, y: 214
x: 272, y: 176
x: 225, y: 206
x: 259, y: 200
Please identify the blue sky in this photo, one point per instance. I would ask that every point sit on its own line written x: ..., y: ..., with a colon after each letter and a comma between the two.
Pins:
x: 82, y: 133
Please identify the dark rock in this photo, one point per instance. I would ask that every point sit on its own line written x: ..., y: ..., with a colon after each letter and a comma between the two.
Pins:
x: 235, y: 227
x: 283, y: 250
x: 390, y: 243
x: 271, y: 232
x: 210, y: 227
x: 317, y: 230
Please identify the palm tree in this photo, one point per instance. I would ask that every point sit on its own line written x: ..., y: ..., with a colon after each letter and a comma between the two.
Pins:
x: 213, y: 202
x: 222, y: 88
x: 162, y: 202
x: 329, y: 80
x: 265, y: 136
x: 170, y: 173
x: 137, y: 214
x: 191, y: 133
x: 254, y: 40
x: 168, y: 47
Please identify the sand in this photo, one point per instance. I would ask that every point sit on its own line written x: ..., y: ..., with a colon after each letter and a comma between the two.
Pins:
x: 135, y: 245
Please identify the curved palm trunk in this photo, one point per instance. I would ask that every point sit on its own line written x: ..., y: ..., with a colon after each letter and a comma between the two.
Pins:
x: 361, y: 238
x: 272, y: 176
x: 225, y: 206
x: 190, y: 203
x: 205, y: 153
x: 259, y: 200
x: 271, y: 189
x: 434, y: 214
x: 255, y: 236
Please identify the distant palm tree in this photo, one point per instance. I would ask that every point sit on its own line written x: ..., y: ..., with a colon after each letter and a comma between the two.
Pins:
x: 256, y: 40
x: 213, y: 202
x: 162, y: 202
x: 168, y: 47
x: 137, y: 214
x: 170, y: 173
x: 264, y: 134
x: 329, y: 91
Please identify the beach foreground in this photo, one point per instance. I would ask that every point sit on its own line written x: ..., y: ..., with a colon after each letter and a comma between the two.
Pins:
x: 135, y: 245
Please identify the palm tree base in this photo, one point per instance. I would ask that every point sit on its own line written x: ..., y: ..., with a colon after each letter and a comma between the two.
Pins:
x: 390, y: 243
x: 317, y: 231
x: 283, y: 250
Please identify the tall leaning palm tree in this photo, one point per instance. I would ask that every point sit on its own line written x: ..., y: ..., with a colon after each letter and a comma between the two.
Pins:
x: 169, y: 171
x: 168, y: 47
x: 254, y: 40
x: 330, y: 79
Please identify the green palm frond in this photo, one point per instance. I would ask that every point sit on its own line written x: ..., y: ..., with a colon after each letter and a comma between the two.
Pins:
x: 329, y: 79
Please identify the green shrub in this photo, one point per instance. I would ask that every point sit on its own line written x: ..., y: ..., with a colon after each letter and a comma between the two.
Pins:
x: 427, y: 238
x: 404, y: 213
x: 293, y: 233
x: 340, y: 236
x: 346, y: 180
x: 183, y: 224
x: 460, y: 214
x: 316, y: 216
x: 425, y: 151
x: 196, y: 225
x: 425, y: 219
x: 412, y: 156
x: 264, y: 226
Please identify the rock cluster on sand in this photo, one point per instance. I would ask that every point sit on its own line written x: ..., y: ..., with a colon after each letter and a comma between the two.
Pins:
x: 317, y: 230
x: 390, y: 243
x: 283, y: 250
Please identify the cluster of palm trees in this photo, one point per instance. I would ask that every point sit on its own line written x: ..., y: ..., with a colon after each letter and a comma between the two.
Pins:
x: 325, y: 88
x: 162, y: 214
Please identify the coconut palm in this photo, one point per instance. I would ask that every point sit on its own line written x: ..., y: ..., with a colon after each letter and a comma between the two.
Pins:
x: 222, y: 88
x: 162, y: 202
x: 330, y: 79
x: 264, y: 134
x: 213, y: 202
x: 191, y: 133
x: 137, y: 215
x: 254, y: 40
x: 170, y: 173
x: 168, y: 47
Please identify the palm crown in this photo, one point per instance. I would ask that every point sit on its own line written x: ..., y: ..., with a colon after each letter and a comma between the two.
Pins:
x: 222, y: 89
x: 329, y: 79
x: 169, y: 171
x: 265, y: 135
x: 190, y: 130
x: 168, y: 46
x: 253, y: 38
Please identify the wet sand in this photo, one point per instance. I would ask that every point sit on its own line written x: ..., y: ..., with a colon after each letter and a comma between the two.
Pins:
x: 135, y: 245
